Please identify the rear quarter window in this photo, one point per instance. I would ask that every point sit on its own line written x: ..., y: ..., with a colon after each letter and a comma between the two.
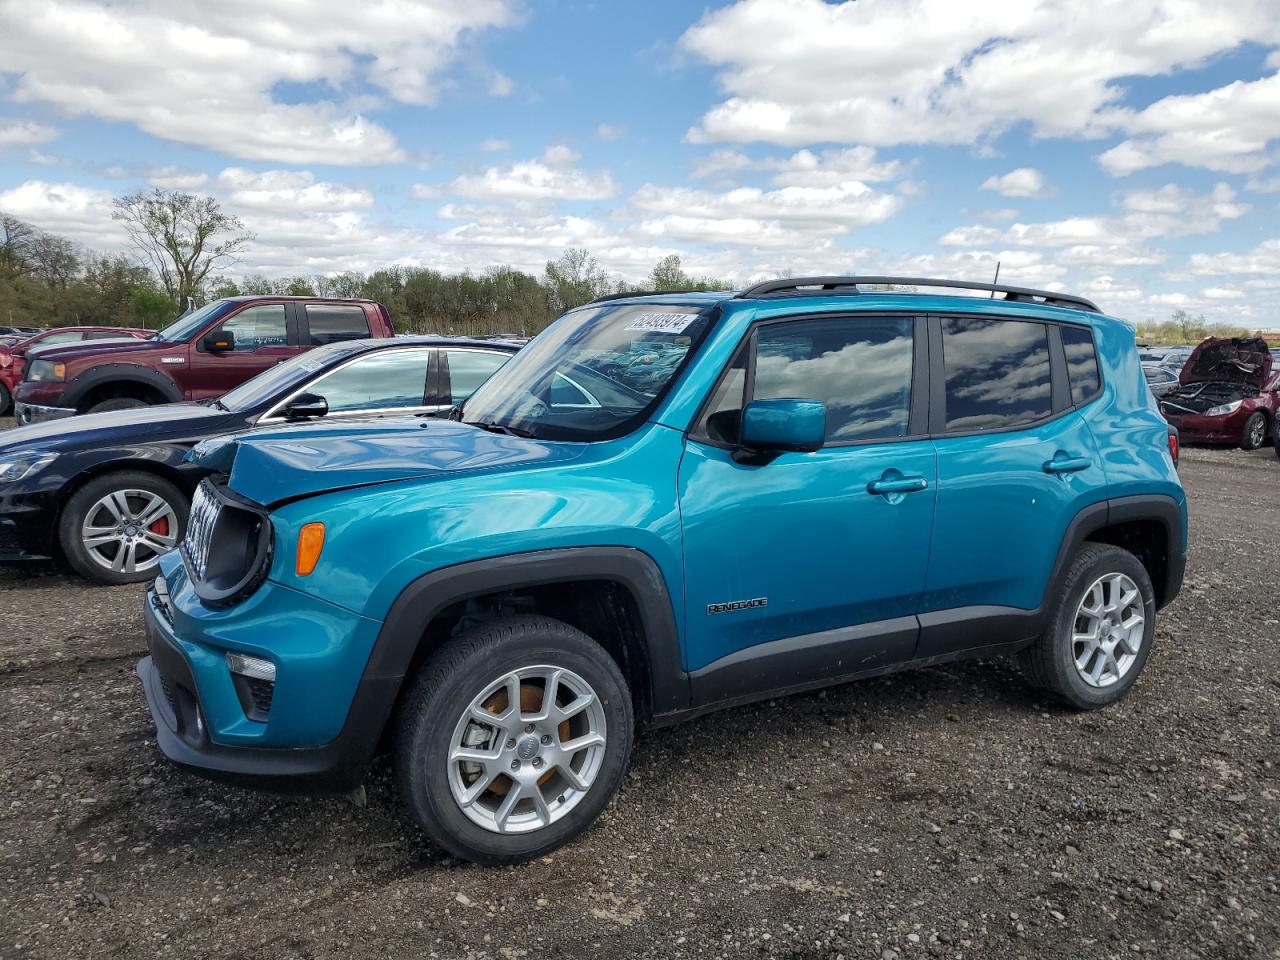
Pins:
x: 1082, y: 363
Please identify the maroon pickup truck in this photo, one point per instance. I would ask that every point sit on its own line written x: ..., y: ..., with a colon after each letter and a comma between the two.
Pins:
x: 200, y: 355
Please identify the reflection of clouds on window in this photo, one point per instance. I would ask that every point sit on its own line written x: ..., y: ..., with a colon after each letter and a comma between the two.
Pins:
x: 997, y: 373
x: 861, y: 370
x: 1082, y: 362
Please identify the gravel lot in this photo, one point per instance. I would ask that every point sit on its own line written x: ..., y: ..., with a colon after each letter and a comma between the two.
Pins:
x: 947, y: 812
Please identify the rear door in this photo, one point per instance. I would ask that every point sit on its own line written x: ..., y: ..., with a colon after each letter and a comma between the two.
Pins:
x: 1016, y: 463
x: 265, y: 334
x: 324, y: 323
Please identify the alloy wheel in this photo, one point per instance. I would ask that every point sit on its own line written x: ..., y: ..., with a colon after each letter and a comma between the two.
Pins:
x: 128, y: 531
x: 1108, y: 630
x: 527, y: 749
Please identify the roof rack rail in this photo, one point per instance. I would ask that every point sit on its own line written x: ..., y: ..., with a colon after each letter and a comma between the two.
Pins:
x: 851, y: 284
x: 638, y: 293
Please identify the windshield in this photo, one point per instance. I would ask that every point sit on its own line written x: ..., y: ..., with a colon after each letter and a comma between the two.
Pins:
x: 594, y: 374
x: 285, y: 376
x: 187, y: 325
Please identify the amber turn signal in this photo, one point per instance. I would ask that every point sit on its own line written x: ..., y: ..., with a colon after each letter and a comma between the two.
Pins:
x: 310, y: 543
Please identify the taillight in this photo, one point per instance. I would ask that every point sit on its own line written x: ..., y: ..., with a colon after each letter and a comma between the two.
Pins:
x: 1173, y: 445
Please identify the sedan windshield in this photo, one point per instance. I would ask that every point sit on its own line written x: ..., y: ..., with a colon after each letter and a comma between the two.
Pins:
x: 186, y: 326
x: 595, y: 374
x: 285, y: 376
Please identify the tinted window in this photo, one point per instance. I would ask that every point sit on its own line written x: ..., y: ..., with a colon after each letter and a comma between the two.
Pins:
x: 256, y: 327
x: 332, y: 323
x: 861, y: 370
x: 388, y: 380
x: 70, y: 336
x: 470, y: 368
x: 108, y: 335
x: 1082, y: 362
x: 997, y: 373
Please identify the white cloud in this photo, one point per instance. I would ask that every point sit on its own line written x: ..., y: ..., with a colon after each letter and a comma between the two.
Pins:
x: 205, y: 74
x: 176, y: 178
x: 500, y: 85
x: 1022, y: 182
x: 1229, y: 130
x: 1223, y: 293
x: 884, y: 72
x: 611, y: 131
x: 82, y: 214
x: 787, y: 217
x: 1263, y: 259
x: 805, y: 168
x: 289, y: 190
x: 24, y: 133
x: 552, y: 176
x: 997, y: 216
x: 718, y: 163
x: 494, y: 145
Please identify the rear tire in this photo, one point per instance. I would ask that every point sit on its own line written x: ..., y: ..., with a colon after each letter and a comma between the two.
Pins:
x: 117, y: 403
x: 1254, y: 433
x: 459, y: 802
x: 124, y: 510
x: 1090, y: 661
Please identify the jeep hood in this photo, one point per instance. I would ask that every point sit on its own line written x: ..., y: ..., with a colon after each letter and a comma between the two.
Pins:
x: 286, y: 463
x: 1243, y: 360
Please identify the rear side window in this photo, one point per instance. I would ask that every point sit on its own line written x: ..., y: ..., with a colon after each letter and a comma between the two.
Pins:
x: 333, y: 323
x: 1082, y: 362
x: 859, y: 368
x: 997, y: 373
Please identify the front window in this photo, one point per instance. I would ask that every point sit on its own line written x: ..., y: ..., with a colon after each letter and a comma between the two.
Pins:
x: 257, y: 327
x: 618, y: 358
x: 189, y: 324
x: 388, y: 380
x: 283, y: 376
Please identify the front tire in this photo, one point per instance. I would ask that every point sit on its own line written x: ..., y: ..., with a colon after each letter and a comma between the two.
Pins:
x: 1254, y: 433
x: 1100, y: 631
x: 115, y: 528
x: 512, y: 739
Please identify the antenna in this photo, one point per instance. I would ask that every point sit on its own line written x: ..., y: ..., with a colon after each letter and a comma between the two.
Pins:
x: 996, y: 280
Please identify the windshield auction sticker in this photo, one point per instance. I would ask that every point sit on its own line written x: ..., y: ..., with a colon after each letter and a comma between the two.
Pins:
x: 661, y: 322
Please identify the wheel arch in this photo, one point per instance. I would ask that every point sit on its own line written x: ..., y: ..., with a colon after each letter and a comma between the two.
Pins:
x: 132, y: 378
x: 158, y: 468
x: 617, y: 595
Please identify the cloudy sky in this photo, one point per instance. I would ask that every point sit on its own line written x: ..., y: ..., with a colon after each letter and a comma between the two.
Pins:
x: 1126, y: 149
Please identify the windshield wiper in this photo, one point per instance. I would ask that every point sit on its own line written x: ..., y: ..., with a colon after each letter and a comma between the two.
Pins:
x: 500, y: 428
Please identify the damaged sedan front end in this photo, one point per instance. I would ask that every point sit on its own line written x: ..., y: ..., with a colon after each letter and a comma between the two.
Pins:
x: 1227, y: 393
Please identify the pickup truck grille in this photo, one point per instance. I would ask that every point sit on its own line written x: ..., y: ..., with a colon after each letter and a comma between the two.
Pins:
x: 205, y: 509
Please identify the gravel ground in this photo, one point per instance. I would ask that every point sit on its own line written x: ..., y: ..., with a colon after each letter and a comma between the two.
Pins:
x: 947, y: 812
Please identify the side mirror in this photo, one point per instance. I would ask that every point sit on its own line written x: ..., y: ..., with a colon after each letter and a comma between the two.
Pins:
x: 784, y: 425
x: 216, y: 341
x: 305, y: 406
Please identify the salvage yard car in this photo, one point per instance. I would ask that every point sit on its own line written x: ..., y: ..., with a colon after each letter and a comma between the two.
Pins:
x: 13, y: 356
x: 110, y: 492
x: 1227, y: 393
x: 795, y: 485
x: 200, y: 355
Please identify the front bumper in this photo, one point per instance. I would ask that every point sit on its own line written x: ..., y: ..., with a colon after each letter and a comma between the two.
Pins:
x: 190, y: 712
x: 26, y: 413
x: 27, y: 527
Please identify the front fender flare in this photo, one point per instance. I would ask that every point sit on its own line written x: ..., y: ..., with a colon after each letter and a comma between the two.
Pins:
x: 82, y: 385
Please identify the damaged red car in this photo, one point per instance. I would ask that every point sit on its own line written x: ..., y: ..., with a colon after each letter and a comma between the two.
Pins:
x: 1226, y: 393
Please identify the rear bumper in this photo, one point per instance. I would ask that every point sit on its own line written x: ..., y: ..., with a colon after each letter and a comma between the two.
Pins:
x: 26, y: 413
x: 177, y: 704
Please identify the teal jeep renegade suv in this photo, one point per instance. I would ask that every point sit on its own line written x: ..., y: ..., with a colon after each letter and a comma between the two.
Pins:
x: 667, y: 504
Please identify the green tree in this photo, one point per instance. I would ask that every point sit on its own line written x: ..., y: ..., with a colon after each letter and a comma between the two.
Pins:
x: 182, y: 235
x: 576, y: 278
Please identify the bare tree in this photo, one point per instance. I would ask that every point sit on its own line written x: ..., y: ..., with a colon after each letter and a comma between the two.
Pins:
x: 16, y: 240
x: 55, y: 260
x: 575, y: 279
x: 183, y: 235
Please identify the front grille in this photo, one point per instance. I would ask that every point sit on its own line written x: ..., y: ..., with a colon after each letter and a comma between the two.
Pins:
x: 205, y: 508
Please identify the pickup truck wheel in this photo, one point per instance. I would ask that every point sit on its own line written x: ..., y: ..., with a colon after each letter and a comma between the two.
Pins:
x: 116, y: 527
x: 116, y: 403
x: 512, y: 739
x: 1100, y: 632
x: 6, y: 399
x: 1254, y: 433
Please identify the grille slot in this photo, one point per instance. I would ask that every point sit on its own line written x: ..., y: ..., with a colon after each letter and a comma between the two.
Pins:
x: 205, y: 509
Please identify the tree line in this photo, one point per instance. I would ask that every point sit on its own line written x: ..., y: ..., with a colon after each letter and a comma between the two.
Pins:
x: 184, y: 244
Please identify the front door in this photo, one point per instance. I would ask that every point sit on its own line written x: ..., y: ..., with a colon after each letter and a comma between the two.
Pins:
x: 810, y: 566
x: 262, y: 340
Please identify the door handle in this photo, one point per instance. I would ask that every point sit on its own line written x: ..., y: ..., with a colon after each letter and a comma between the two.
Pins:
x: 897, y: 485
x: 1065, y: 464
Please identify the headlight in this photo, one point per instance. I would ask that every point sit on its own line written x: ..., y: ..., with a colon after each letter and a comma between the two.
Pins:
x: 46, y: 371
x: 1223, y: 409
x: 17, y: 467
